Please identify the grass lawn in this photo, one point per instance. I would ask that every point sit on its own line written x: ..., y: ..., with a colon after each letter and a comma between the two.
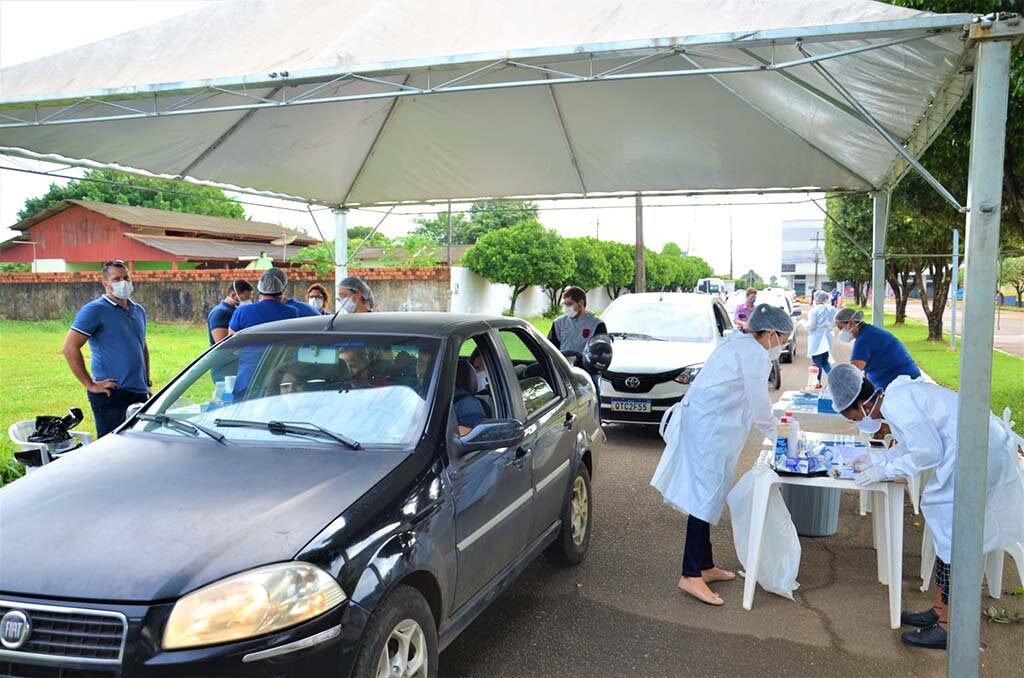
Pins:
x: 943, y: 366
x: 36, y: 379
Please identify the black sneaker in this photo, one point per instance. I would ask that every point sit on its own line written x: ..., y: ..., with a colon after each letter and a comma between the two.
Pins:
x: 920, y: 619
x: 933, y: 636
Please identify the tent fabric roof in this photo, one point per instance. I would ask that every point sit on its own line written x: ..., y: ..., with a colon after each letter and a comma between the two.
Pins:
x: 377, y: 101
x: 205, y: 249
x: 176, y: 221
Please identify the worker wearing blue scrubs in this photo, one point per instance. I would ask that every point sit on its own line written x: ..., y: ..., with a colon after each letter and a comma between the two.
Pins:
x: 878, y: 353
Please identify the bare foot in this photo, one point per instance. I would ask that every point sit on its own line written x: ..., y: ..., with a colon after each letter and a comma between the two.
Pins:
x: 717, y: 574
x: 696, y: 587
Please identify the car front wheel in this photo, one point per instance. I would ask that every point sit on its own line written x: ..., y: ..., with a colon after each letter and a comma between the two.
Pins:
x: 574, y: 537
x: 401, y: 639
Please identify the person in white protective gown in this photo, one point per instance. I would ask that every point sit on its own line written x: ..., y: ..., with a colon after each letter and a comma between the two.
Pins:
x: 705, y: 433
x: 922, y: 418
x: 820, y: 322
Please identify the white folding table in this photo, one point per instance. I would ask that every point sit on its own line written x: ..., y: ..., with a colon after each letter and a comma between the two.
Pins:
x: 887, y: 524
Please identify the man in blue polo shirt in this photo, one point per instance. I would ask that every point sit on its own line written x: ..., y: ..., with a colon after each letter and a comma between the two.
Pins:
x: 115, y: 327
x: 879, y: 354
x: 268, y: 309
x: 220, y: 316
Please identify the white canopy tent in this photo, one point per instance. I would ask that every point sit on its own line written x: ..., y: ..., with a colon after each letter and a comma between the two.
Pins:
x: 379, y: 102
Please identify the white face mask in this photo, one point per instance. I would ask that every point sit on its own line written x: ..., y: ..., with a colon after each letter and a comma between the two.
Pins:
x: 481, y: 381
x: 122, y: 289
x: 570, y: 311
x: 316, y: 302
x: 844, y: 335
x: 869, y: 426
x: 348, y: 306
x: 775, y: 352
x: 244, y: 302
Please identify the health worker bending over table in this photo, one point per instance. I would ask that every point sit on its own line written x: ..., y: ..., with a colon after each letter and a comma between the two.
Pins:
x: 705, y: 435
x: 881, y: 355
x: 922, y: 418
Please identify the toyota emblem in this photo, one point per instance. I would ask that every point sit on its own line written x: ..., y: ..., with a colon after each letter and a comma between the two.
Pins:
x: 14, y: 629
x: 633, y: 382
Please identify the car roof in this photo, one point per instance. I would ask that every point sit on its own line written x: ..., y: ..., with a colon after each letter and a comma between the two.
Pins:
x: 680, y: 298
x: 436, y: 324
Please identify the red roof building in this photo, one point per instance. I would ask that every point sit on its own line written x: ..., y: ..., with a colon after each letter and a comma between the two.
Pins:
x: 78, y: 235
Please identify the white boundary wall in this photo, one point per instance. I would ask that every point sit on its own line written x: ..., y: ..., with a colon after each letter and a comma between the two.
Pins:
x: 471, y: 293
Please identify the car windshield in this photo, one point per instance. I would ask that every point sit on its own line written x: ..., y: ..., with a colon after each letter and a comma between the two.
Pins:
x: 661, y: 320
x: 357, y: 390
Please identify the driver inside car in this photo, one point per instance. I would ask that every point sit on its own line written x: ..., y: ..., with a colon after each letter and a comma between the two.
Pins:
x: 468, y: 409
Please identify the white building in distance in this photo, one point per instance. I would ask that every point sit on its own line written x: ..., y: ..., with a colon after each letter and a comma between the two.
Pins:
x: 803, y: 255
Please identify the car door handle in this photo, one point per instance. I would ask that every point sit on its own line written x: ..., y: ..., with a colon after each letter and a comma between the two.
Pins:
x: 569, y: 419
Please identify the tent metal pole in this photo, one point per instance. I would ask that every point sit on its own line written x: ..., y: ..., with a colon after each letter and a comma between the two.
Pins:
x: 641, y: 268
x: 449, y: 234
x: 870, y: 119
x: 340, y: 246
x: 879, y: 227
x: 985, y: 188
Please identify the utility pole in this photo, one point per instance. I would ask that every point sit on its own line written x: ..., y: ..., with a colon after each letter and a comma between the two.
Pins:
x: 816, y: 255
x: 730, y: 246
x: 449, y: 234
x: 641, y: 271
x: 597, y: 229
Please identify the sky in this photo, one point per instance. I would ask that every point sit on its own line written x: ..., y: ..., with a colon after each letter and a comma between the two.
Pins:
x: 31, y: 29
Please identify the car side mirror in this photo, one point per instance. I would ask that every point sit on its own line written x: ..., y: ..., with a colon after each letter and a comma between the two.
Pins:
x: 491, y: 434
x: 132, y: 410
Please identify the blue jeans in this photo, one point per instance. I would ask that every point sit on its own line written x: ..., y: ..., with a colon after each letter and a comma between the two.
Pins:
x: 109, y: 411
x: 821, y: 360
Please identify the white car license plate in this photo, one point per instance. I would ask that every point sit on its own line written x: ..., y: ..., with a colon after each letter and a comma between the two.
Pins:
x: 631, y: 405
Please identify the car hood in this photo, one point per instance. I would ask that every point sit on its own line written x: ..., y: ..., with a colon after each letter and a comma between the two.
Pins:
x: 141, y: 518
x: 642, y: 356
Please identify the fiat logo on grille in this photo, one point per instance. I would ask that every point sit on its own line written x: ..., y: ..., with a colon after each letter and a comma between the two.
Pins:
x: 632, y: 382
x: 14, y: 629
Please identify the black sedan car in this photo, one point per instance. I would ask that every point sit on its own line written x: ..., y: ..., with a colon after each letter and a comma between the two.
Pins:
x: 308, y: 498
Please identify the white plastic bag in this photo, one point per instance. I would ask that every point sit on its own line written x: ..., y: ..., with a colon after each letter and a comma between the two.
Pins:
x: 780, y: 546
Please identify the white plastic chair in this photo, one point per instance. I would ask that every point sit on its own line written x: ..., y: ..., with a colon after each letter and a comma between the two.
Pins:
x: 20, y: 431
x: 993, y: 565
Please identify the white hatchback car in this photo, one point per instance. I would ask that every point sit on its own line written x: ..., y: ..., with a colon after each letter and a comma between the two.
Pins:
x: 661, y: 343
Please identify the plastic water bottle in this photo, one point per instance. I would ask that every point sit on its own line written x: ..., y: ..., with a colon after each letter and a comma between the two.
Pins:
x: 782, y: 442
x: 794, y: 438
x: 812, y: 377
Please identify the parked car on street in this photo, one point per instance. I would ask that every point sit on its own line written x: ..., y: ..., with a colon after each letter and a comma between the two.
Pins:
x: 661, y: 343
x: 312, y: 497
x: 776, y: 297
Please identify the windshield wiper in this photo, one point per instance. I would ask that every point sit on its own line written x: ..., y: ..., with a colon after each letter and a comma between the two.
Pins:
x: 182, y: 425
x: 636, y: 335
x: 304, y: 428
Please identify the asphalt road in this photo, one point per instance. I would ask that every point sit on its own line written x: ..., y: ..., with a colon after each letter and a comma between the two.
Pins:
x: 619, y: 613
x: 1008, y: 334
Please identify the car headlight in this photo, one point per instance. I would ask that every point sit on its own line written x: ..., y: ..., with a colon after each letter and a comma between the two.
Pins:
x: 252, y: 603
x: 688, y: 375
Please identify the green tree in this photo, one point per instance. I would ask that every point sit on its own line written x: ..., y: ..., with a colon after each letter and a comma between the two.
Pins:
x: 356, y: 235
x: 520, y: 256
x: 122, y: 189
x: 412, y: 250
x: 591, y: 269
x: 484, y: 216
x: 1013, y: 275
x: 436, y: 228
x: 672, y: 250
x: 621, y: 266
x: 659, y: 270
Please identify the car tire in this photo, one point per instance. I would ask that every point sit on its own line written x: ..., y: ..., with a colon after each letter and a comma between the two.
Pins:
x: 775, y: 376
x: 577, y: 520
x: 401, y: 633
